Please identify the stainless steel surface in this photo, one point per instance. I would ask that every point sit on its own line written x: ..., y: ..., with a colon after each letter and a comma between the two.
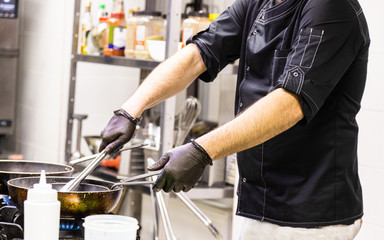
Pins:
x: 9, y: 30
x: 132, y: 180
x: 118, y: 61
x: 165, y: 217
x: 142, y: 176
x: 204, y: 192
x: 72, y: 81
x: 79, y: 118
x: 8, y: 76
x: 160, y: 203
x: 167, y: 118
x: 83, y: 159
x: 155, y: 215
x: 136, y: 183
x: 93, y: 143
x: 9, y: 53
x: 187, y: 118
x: 93, y: 156
x: 74, y: 184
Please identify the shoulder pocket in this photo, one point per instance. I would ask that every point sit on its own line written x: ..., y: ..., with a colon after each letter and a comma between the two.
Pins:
x: 306, y: 47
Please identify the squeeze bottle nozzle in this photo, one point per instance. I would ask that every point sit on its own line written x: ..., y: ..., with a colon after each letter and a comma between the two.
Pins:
x: 42, y: 192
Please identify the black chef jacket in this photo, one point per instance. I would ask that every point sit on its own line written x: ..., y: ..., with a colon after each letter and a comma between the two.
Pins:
x: 317, y: 49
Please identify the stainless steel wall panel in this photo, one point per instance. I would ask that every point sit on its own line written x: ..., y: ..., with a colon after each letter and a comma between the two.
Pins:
x: 8, y: 76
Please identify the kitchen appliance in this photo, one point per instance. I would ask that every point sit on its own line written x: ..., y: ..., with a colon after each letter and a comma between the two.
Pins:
x: 9, y: 53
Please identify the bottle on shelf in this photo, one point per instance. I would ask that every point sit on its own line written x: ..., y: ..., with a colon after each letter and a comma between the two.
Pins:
x: 102, y: 12
x: 85, y: 28
x: 99, y: 31
x: 115, y: 37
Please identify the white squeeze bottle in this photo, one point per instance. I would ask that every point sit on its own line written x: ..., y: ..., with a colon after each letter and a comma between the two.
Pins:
x: 41, y: 212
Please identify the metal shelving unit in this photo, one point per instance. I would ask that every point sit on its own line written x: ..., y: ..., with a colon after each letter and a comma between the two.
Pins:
x: 167, y: 107
x: 118, y: 61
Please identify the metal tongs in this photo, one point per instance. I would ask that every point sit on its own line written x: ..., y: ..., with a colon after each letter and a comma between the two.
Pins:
x: 74, y: 183
x: 158, y: 199
x: 132, y: 180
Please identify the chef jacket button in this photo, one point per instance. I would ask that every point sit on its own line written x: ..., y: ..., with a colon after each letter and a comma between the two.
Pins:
x: 241, y: 104
x: 295, y: 74
x: 254, y: 32
x: 248, y: 68
x: 244, y: 180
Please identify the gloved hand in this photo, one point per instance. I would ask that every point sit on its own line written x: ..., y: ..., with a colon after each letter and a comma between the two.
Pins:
x: 182, y: 167
x: 118, y: 131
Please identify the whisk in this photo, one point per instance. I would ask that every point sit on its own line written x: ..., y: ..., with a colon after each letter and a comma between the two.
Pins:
x: 187, y: 118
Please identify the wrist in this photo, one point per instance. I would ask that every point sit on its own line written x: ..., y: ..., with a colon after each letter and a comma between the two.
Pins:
x: 122, y: 112
x: 134, y: 109
x: 202, y: 151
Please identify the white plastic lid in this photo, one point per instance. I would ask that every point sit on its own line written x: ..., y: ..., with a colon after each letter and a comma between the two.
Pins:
x: 42, y: 192
x: 111, y: 223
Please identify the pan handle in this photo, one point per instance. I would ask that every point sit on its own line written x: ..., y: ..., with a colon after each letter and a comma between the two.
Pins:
x: 132, y: 180
x: 141, y: 176
x: 125, y: 184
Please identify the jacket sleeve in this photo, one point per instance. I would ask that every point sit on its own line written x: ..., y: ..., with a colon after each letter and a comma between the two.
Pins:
x: 329, y: 40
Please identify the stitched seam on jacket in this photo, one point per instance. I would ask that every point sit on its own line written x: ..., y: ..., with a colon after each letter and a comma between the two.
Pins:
x: 306, y: 47
x: 302, y: 223
x: 317, y: 107
x: 282, y: 15
x: 262, y: 177
x: 358, y: 12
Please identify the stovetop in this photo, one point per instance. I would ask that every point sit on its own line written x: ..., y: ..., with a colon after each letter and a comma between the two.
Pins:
x: 12, y: 223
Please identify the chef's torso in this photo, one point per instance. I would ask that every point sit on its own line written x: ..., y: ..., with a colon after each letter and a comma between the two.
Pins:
x: 317, y: 49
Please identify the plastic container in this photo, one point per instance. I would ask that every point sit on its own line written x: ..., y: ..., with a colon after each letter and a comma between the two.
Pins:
x: 98, y: 34
x: 195, y: 22
x: 131, y: 35
x: 107, y: 227
x: 116, y: 33
x: 41, y: 212
x: 149, y: 26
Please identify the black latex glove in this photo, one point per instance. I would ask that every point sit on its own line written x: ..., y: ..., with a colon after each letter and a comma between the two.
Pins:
x: 118, y: 131
x: 182, y: 167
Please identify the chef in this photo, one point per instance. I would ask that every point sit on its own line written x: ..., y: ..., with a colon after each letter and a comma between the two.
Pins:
x: 301, y: 77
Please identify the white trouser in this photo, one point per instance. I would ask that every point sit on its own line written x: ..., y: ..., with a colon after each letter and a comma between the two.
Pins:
x: 257, y: 230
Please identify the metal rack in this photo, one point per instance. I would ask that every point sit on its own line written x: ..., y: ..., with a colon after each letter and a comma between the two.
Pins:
x: 145, y: 66
x: 168, y: 107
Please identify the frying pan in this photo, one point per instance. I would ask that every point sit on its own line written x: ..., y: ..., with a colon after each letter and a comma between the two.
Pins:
x: 10, y: 169
x: 92, y: 197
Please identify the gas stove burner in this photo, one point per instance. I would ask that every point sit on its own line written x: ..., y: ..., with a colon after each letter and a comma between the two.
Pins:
x: 5, y: 200
x: 71, y: 228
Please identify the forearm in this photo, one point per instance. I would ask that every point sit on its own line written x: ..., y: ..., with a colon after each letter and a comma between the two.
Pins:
x: 268, y: 117
x: 166, y: 80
